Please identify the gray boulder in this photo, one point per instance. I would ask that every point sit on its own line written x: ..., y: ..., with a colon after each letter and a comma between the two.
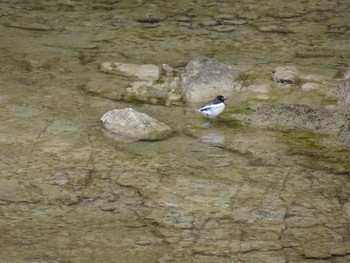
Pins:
x: 130, y: 125
x: 205, y: 78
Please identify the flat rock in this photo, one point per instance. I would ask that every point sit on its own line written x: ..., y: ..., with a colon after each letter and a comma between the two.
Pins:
x: 130, y: 125
x: 147, y: 72
x: 297, y: 116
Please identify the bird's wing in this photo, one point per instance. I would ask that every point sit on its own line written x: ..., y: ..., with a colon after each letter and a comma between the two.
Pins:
x: 206, y: 107
x: 210, y: 106
x: 209, y: 103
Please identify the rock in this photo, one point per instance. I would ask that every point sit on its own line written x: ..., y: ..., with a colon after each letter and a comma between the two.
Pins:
x: 213, y: 139
x: 130, y: 125
x: 228, y: 19
x: 146, y: 72
x: 310, y: 86
x: 296, y: 116
x: 347, y: 74
x: 313, y: 53
x: 164, y: 92
x: 167, y: 69
x: 285, y: 74
x: 222, y: 28
x: 262, y: 146
x: 316, y: 251
x: 333, y: 121
x: 208, y: 22
x: 161, y: 93
x: 262, y: 88
x: 144, y: 83
x: 274, y: 29
x: 260, y: 91
x: 14, y: 191
x: 347, y: 98
x: 330, y: 121
x: 341, y: 90
x: 323, y: 78
x: 205, y: 78
x: 49, y: 58
x: 341, y: 250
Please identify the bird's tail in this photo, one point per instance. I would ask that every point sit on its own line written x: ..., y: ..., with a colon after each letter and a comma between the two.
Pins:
x: 190, y: 110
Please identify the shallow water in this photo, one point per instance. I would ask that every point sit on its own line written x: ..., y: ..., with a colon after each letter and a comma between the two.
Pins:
x: 218, y: 193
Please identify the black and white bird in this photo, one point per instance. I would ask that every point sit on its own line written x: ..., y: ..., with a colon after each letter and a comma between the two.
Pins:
x: 213, y: 107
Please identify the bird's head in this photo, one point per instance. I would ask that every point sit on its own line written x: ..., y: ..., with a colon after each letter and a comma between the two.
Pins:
x: 221, y: 98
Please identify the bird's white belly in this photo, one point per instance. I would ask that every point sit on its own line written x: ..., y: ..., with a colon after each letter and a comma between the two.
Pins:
x: 213, y: 110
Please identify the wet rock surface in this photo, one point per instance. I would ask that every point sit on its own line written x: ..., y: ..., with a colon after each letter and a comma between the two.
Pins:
x: 224, y: 192
x: 333, y: 121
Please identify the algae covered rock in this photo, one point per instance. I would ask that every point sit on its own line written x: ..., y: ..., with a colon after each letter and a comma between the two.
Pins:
x: 130, y: 125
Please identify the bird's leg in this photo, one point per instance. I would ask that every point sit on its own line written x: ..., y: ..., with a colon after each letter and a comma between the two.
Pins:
x: 223, y: 120
x: 208, y: 122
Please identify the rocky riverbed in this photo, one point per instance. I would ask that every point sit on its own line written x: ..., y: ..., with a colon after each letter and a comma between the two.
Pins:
x: 270, y: 183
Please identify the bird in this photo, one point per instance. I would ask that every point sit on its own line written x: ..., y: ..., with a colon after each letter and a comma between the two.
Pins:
x: 213, y: 107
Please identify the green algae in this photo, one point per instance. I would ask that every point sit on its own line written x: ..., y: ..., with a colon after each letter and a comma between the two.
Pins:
x: 232, y: 123
x: 316, y: 147
x: 300, y: 142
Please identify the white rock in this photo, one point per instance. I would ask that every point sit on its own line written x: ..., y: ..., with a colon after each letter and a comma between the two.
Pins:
x: 309, y: 86
x: 131, y: 125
